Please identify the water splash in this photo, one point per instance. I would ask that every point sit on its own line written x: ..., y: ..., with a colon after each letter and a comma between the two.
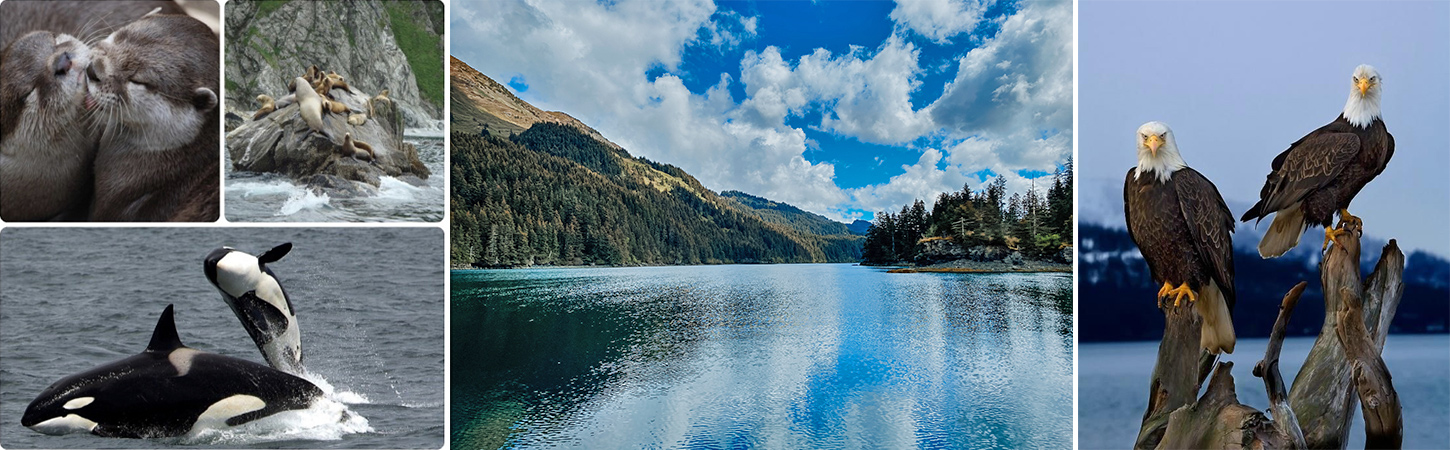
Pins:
x: 301, y: 200
x: 327, y: 419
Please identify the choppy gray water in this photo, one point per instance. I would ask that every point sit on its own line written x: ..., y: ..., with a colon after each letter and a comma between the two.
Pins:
x: 269, y: 197
x: 760, y: 356
x: 1113, y: 386
x: 369, y: 300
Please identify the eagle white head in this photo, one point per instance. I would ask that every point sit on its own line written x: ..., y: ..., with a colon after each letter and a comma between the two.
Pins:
x: 1157, y: 152
x: 1363, y: 106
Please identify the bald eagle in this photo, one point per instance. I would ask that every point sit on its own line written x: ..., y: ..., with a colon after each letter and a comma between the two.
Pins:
x: 1182, y: 226
x: 1323, y: 171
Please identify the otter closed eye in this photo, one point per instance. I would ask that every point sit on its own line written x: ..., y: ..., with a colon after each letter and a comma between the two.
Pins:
x: 154, y: 84
x: 45, y: 147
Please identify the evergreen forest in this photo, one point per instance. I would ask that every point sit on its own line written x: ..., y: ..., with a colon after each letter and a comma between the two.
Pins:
x: 1037, y: 223
x: 553, y: 195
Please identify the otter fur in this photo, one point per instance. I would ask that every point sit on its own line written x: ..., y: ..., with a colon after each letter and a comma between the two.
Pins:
x: 154, y: 83
x: 46, y: 149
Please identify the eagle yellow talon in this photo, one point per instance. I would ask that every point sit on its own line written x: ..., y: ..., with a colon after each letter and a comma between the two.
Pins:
x: 1346, y: 217
x: 1183, y: 291
x: 1332, y: 235
x: 1177, y: 293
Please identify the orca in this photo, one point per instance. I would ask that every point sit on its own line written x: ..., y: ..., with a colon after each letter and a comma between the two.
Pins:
x: 168, y: 390
x: 260, y: 302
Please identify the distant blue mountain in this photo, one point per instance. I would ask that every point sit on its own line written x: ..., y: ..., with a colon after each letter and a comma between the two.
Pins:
x: 859, y: 227
x: 1116, y: 292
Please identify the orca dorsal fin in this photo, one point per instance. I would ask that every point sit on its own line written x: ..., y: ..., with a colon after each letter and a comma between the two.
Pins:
x: 165, y: 339
x: 275, y: 253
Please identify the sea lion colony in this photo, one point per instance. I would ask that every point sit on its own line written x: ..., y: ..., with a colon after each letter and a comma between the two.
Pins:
x: 114, y: 126
x: 312, y: 91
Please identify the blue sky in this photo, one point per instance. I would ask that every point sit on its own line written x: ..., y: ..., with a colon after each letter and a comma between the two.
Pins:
x: 1238, y: 82
x: 840, y: 108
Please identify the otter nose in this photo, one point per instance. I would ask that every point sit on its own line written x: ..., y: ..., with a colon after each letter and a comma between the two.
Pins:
x: 62, y: 64
x: 91, y: 72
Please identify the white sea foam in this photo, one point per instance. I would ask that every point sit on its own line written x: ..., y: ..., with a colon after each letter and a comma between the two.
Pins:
x: 274, y: 187
x: 302, y: 199
x: 327, y: 419
x: 391, y: 189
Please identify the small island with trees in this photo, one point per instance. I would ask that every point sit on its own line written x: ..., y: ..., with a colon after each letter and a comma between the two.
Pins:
x: 982, y: 231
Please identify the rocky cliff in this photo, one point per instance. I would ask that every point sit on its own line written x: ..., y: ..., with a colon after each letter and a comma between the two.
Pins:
x: 282, y: 142
x: 375, y: 45
x: 480, y: 103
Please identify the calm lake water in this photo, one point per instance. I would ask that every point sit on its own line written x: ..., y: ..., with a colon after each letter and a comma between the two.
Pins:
x: 369, y: 302
x: 1113, y: 386
x: 760, y: 356
x: 270, y: 197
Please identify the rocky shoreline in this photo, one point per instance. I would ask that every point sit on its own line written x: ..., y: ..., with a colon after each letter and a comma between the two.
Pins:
x: 969, y: 266
x: 946, y: 256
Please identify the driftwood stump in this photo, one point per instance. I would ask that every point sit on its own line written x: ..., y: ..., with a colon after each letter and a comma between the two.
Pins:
x: 1343, y: 367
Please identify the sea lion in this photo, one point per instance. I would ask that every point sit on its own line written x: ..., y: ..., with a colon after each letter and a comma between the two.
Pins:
x: 334, y: 106
x: 268, y: 105
x: 310, y: 104
x: 154, y: 85
x: 357, y: 119
x: 286, y: 101
x: 323, y: 87
x: 46, y: 149
x: 338, y: 82
x: 381, y: 97
x: 357, y: 149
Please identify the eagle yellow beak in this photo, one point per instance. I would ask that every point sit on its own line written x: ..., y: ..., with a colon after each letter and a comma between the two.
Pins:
x: 1154, y: 142
x: 1363, y: 84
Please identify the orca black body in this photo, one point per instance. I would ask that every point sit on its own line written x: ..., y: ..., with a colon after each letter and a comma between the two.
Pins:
x: 260, y: 303
x: 167, y: 390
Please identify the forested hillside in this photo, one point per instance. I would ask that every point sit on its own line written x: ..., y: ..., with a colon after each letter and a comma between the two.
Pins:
x: 555, y: 195
x: 1037, y: 223
x: 1116, y: 291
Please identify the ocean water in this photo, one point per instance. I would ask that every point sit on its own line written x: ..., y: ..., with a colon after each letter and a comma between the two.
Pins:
x: 270, y: 197
x: 370, y: 302
x: 1113, y: 387
x: 760, y: 356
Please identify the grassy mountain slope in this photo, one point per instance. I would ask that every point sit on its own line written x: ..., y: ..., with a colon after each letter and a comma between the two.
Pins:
x: 542, y: 188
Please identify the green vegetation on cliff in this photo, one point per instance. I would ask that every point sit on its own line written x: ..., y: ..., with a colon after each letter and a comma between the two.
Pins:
x: 554, y: 195
x: 422, y: 47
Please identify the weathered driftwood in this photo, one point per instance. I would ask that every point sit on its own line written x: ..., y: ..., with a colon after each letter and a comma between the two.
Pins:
x: 1378, y: 401
x: 1323, y: 394
x: 1217, y: 420
x: 1343, y: 366
x: 1268, y: 369
x: 1176, y: 376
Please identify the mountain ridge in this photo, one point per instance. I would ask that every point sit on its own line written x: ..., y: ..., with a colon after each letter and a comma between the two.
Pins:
x: 538, y: 183
x: 506, y: 113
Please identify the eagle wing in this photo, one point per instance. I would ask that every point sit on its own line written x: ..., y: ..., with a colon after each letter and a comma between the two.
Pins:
x: 1389, y: 153
x: 1210, y: 223
x: 1307, y: 165
x: 1130, y: 198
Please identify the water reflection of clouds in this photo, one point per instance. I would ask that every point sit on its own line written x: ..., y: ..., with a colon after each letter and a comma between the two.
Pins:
x: 821, y: 355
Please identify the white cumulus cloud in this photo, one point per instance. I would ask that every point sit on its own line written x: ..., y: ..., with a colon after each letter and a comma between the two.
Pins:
x: 1007, y: 108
